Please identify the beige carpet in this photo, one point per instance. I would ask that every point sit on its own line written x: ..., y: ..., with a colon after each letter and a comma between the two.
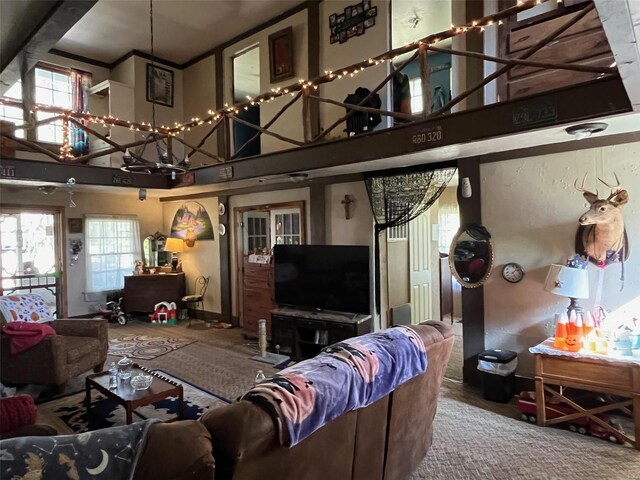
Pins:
x: 473, y: 439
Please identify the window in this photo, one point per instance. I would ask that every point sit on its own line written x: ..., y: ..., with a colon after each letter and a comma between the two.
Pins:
x: 52, y: 88
x: 13, y: 114
x: 113, y: 245
x: 256, y: 231
x: 415, y: 86
x: 449, y: 223
x: 285, y: 227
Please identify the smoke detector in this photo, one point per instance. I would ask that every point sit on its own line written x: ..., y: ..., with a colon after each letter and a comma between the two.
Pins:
x: 298, y: 177
x: 585, y: 130
x: 47, y: 189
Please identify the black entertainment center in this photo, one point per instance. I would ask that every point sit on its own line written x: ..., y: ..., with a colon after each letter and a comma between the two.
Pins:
x: 323, y: 293
x: 302, y: 334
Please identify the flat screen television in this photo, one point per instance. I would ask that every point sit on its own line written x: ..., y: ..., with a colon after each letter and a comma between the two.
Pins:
x: 323, y: 277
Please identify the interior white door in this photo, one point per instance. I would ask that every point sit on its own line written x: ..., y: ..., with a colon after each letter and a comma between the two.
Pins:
x: 423, y: 258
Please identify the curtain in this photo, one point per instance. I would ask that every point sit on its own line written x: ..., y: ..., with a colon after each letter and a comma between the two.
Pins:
x: 397, y: 197
x: 80, y: 84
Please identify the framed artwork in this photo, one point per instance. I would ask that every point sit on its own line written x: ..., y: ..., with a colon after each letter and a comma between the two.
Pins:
x: 353, y: 21
x: 75, y: 225
x: 281, y: 55
x: 192, y: 222
x: 159, y: 85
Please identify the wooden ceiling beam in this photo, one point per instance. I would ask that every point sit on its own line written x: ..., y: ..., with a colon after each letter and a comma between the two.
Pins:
x: 62, y: 16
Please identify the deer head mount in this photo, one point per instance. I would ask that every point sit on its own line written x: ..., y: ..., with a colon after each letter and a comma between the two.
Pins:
x: 601, y: 235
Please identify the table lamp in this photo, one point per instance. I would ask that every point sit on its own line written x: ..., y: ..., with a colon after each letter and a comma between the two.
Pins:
x: 568, y: 282
x: 174, y: 245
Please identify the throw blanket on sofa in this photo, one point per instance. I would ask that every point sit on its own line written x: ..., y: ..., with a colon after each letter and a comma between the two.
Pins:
x: 24, y: 335
x: 108, y: 453
x: 343, y: 377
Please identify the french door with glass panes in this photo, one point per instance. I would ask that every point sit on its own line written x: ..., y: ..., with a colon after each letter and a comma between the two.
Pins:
x: 30, y: 239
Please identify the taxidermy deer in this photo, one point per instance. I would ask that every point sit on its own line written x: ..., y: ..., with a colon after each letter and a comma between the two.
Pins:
x: 601, y: 235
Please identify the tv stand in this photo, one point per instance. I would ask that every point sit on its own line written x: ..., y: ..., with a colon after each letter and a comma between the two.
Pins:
x: 303, y: 333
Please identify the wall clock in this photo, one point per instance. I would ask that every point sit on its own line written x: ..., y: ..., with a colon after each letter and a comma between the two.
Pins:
x: 512, y: 272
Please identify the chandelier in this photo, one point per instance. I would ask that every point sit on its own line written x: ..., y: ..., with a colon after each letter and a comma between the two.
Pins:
x: 163, y: 165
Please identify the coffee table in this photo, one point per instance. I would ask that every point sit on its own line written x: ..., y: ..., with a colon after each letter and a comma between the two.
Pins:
x: 161, y: 387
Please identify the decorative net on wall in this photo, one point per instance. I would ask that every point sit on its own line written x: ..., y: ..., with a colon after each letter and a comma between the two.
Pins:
x: 398, y: 197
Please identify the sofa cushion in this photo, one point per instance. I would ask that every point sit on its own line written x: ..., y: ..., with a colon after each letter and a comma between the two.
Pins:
x: 16, y: 412
x: 80, y: 347
x: 25, y: 307
x: 177, y: 450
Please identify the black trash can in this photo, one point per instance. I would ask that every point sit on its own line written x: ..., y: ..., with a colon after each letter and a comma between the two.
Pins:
x: 498, y: 369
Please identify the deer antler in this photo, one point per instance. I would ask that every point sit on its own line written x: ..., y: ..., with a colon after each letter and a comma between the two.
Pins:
x: 581, y: 187
x: 615, y: 189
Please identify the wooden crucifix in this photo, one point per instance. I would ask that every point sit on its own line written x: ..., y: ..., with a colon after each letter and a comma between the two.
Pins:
x: 347, y: 202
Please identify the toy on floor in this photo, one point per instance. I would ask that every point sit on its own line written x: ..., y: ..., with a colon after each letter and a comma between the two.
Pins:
x: 527, y: 407
x: 164, y: 312
x: 112, y: 311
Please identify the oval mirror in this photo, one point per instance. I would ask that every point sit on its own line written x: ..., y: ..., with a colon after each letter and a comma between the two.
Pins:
x: 471, y: 255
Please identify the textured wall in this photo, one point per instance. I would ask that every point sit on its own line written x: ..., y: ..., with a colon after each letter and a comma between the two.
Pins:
x: 531, y: 209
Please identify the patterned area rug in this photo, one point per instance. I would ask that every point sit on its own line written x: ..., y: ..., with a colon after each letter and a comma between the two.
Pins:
x: 68, y: 414
x: 144, y: 347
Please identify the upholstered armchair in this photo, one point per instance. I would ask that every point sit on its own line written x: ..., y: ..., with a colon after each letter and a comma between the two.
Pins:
x: 78, y: 345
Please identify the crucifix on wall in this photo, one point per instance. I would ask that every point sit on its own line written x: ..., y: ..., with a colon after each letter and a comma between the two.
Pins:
x: 348, y: 201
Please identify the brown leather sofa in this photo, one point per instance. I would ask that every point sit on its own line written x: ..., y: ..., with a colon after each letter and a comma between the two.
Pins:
x: 386, y: 440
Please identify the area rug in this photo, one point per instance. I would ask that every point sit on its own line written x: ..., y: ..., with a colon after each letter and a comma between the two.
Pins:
x: 68, y: 414
x: 145, y: 347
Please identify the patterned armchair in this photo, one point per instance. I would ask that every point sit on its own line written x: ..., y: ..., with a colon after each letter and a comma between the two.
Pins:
x: 79, y: 345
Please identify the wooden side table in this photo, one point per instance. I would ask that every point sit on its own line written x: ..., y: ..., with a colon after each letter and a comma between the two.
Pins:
x: 621, y: 378
x: 161, y: 388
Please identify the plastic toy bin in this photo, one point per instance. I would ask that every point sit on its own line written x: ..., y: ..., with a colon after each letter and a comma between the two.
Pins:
x: 498, y: 369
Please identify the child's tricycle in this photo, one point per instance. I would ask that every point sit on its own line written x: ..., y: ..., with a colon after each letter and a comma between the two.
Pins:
x: 112, y: 311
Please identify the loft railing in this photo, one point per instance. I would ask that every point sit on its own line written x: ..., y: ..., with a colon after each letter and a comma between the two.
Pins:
x: 307, y: 91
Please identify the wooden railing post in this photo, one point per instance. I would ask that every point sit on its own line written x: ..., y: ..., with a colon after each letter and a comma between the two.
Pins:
x: 306, y: 115
x: 425, y: 77
x: 226, y: 131
x: 170, y: 148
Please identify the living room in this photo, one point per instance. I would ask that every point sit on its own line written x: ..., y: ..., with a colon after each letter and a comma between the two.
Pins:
x: 535, y: 227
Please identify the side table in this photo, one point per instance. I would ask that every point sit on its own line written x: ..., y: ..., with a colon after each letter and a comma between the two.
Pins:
x: 128, y: 397
x: 559, y: 370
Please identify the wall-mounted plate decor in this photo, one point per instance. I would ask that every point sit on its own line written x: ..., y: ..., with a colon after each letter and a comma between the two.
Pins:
x: 222, y: 229
x: 221, y: 209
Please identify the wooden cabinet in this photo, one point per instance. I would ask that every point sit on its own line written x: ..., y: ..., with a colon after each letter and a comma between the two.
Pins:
x: 302, y: 334
x: 143, y: 292
x: 585, y: 43
x: 257, y: 297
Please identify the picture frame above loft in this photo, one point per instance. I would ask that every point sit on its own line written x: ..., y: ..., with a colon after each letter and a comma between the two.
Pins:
x: 159, y: 85
x: 281, y: 55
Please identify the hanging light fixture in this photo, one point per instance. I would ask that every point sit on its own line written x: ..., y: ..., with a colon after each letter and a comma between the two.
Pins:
x: 135, y: 162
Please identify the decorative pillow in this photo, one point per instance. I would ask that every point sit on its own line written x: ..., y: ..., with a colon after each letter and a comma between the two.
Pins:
x: 25, y: 307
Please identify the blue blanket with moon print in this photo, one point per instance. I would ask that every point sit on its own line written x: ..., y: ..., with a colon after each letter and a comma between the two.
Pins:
x: 107, y: 453
x: 345, y: 376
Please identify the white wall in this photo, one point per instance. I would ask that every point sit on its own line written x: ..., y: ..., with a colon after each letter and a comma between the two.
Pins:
x: 149, y: 214
x: 531, y: 209
x: 200, y: 96
x: 204, y: 257
x: 290, y: 123
x: 359, y: 229
x: 335, y: 56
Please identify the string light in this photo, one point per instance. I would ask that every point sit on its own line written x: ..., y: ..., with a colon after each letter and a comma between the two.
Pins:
x: 329, y: 75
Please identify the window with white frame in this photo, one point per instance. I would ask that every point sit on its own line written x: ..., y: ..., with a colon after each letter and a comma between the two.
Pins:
x: 113, y: 245
x: 285, y: 227
x: 415, y: 89
x: 53, y: 87
x: 10, y: 113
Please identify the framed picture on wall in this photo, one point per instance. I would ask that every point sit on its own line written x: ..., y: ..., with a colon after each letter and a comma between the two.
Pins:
x: 75, y: 225
x: 159, y: 85
x: 281, y: 55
